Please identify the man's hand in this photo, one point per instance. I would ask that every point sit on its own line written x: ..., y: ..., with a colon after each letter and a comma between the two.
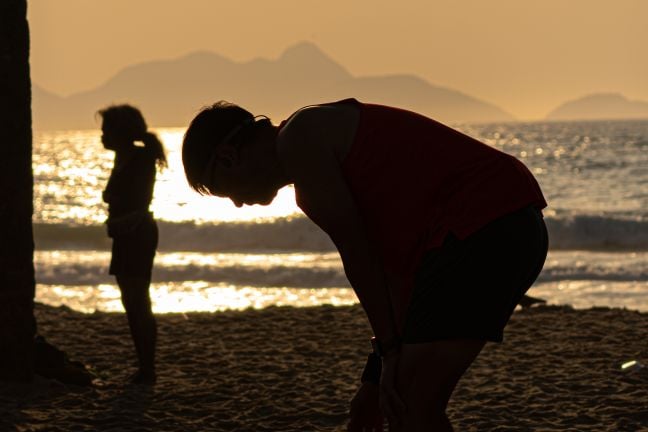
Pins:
x: 365, y: 415
x: 391, y: 404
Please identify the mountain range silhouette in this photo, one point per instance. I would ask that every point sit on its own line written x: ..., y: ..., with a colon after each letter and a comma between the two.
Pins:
x: 600, y: 106
x: 171, y: 92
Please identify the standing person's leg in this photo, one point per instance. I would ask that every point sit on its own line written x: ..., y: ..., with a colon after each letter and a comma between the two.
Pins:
x: 141, y: 321
x: 132, y: 264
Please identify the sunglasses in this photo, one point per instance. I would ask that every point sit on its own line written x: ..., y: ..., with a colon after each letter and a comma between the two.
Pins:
x: 207, y: 173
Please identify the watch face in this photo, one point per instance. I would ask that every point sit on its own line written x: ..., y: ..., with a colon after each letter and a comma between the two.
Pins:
x: 375, y: 345
x: 380, y: 349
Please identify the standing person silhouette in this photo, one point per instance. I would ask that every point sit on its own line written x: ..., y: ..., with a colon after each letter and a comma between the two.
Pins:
x: 131, y: 225
x: 440, y: 235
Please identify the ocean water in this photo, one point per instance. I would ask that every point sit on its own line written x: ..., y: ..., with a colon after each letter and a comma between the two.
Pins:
x: 213, y: 256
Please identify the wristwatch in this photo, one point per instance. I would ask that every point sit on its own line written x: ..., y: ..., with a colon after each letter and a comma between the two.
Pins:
x: 384, y: 348
x: 372, y: 369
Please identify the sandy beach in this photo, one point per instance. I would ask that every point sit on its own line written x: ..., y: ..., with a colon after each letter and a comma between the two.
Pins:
x: 295, y: 369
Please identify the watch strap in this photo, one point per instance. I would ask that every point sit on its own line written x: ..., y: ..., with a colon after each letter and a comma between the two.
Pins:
x: 384, y: 348
x: 372, y: 369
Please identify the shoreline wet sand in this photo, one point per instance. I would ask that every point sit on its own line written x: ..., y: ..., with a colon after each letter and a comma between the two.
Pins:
x: 296, y: 369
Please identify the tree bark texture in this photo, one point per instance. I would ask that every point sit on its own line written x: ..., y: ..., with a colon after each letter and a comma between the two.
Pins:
x: 17, y: 283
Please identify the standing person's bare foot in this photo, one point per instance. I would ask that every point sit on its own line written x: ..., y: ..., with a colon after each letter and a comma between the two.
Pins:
x: 143, y: 377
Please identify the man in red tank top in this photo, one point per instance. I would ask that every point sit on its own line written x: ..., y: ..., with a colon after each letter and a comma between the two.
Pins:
x: 440, y: 235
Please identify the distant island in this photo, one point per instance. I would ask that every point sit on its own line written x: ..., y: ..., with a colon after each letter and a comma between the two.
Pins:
x: 601, y: 106
x: 170, y: 92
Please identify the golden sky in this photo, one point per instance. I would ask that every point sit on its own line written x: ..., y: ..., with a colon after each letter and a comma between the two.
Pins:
x: 525, y: 56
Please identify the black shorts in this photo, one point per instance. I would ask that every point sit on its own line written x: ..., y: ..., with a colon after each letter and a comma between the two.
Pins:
x: 133, y: 253
x: 468, y: 289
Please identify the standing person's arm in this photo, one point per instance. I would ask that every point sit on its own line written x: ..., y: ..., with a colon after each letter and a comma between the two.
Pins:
x: 107, y: 195
x: 318, y: 179
x: 119, y: 182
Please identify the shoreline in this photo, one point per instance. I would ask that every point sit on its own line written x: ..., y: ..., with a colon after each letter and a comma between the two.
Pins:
x: 296, y: 369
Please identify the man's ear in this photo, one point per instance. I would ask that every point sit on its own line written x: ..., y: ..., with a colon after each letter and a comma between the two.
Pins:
x: 227, y: 155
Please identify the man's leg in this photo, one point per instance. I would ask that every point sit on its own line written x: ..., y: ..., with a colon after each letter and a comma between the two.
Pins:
x: 427, y: 375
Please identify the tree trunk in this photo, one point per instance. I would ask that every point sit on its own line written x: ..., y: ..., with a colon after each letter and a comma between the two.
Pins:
x: 17, y: 284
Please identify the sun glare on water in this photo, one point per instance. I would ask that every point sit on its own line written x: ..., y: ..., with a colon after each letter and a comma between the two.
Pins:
x: 194, y: 297
x: 72, y: 168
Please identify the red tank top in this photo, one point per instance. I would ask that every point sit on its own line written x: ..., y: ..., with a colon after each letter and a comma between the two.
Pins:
x: 415, y: 180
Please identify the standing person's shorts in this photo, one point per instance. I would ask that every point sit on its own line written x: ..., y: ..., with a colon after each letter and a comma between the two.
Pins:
x: 133, y: 252
x: 468, y: 289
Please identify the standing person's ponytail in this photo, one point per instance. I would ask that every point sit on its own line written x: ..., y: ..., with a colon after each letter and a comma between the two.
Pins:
x: 152, y: 142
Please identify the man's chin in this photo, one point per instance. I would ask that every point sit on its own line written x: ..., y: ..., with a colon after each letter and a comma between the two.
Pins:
x: 268, y: 199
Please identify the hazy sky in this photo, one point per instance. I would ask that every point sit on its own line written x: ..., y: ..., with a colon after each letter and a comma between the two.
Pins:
x: 526, y: 56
